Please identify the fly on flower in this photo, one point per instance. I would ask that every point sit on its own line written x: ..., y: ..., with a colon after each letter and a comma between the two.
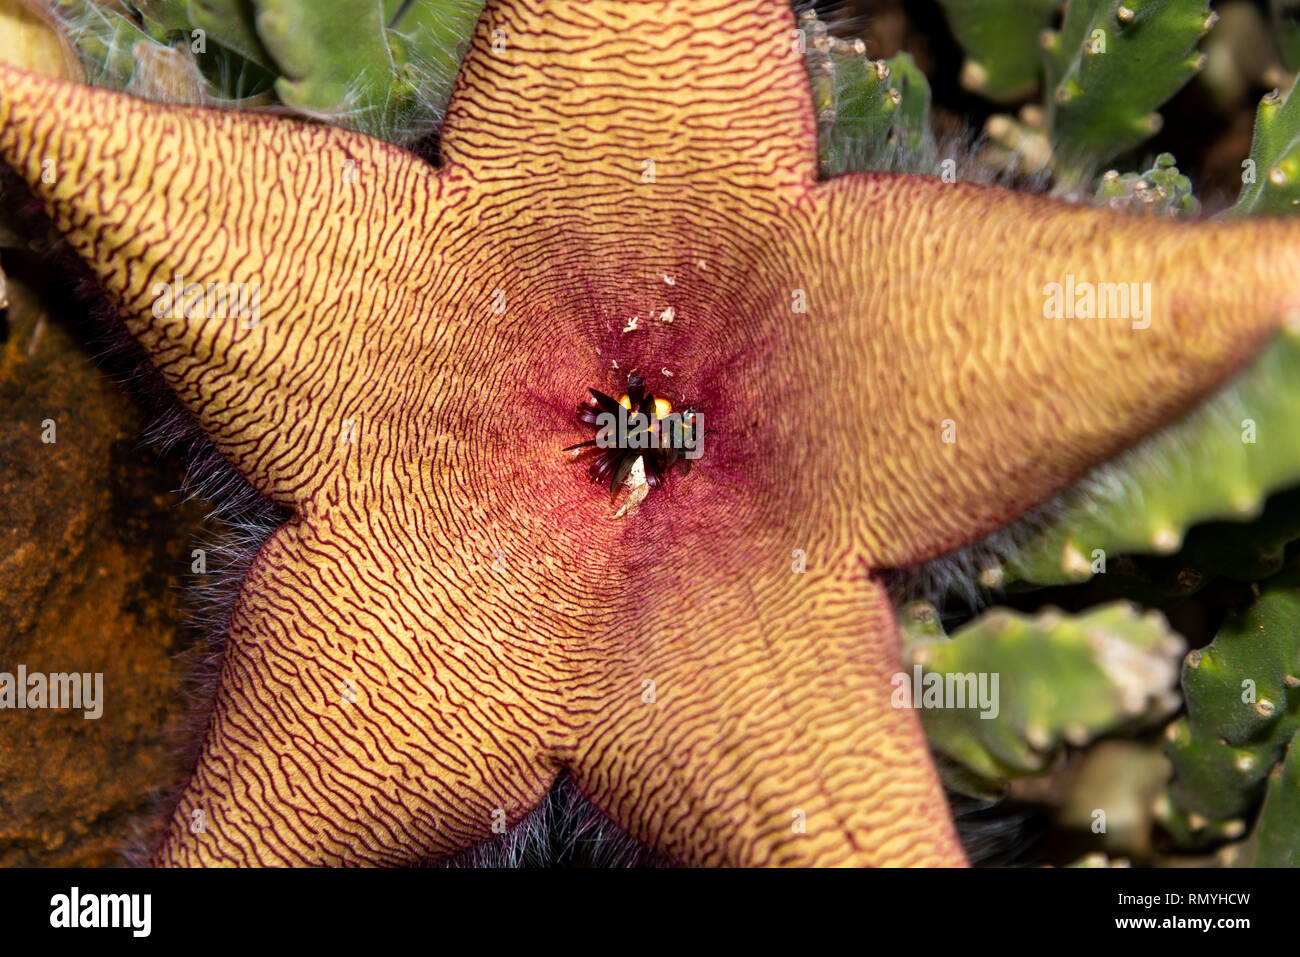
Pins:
x: 639, y: 425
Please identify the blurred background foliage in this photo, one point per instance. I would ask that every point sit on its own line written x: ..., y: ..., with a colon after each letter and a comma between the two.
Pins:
x: 1146, y: 628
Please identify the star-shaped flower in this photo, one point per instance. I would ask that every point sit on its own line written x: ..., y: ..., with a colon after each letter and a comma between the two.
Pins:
x: 452, y: 616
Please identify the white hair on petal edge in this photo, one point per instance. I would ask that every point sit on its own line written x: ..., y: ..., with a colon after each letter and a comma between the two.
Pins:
x: 565, y: 827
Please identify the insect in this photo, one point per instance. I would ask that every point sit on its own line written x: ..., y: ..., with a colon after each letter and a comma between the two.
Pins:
x: 639, y: 425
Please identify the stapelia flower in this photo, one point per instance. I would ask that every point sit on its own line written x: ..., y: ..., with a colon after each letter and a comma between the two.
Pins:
x: 452, y: 617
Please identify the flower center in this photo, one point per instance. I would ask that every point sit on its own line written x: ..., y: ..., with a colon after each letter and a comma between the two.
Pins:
x: 641, y: 433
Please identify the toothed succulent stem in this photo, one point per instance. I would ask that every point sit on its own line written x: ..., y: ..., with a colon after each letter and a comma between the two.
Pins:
x: 1000, y: 39
x: 1276, y: 837
x: 1109, y: 68
x: 384, y: 69
x: 871, y: 114
x: 1160, y: 191
x: 1219, y: 462
x: 1061, y: 679
x: 1243, y: 710
x: 1271, y: 177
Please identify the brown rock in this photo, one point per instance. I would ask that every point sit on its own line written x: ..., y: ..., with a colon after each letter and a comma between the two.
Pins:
x: 94, y: 549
